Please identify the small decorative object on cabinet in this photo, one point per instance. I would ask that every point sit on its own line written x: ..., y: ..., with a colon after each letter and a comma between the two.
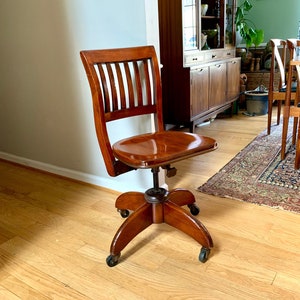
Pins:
x: 200, y: 76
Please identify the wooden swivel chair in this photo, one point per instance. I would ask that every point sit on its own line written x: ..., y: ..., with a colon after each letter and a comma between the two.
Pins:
x: 125, y: 83
x: 292, y: 110
x: 278, y: 61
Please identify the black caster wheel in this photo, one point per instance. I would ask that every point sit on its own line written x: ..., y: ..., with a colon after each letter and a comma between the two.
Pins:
x: 124, y: 213
x: 112, y: 260
x: 204, y: 253
x: 194, y: 209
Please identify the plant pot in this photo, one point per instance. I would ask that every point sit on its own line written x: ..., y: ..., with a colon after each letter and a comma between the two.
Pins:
x: 256, y: 102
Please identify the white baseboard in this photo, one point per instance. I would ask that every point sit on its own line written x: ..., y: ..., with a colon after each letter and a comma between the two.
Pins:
x: 110, y: 183
x: 80, y: 176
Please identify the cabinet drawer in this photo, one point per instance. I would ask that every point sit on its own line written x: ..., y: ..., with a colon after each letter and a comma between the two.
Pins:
x: 194, y: 59
x: 213, y: 55
x: 229, y: 53
x: 206, y: 56
x: 219, y: 54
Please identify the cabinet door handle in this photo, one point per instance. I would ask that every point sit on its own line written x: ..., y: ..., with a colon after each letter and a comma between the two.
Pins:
x: 218, y: 66
x: 214, y: 56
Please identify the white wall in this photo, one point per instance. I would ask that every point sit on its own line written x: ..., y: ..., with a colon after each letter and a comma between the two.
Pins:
x: 46, y: 116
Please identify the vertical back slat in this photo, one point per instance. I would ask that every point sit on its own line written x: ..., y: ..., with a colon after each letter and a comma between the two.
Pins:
x: 280, y: 58
x: 113, y: 87
x: 121, y: 87
x: 138, y: 84
x: 129, y: 85
x: 147, y: 82
x: 105, y: 89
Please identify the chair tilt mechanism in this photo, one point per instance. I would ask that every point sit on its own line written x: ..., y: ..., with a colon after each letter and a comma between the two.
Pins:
x: 126, y: 83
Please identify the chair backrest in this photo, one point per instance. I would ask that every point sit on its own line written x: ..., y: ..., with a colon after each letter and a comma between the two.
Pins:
x: 124, y: 82
x: 292, y: 44
x: 279, y: 49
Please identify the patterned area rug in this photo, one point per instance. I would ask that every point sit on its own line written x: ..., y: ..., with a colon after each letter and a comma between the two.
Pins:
x: 258, y: 175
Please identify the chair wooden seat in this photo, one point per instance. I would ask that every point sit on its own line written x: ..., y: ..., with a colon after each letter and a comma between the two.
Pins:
x: 293, y: 88
x: 156, y: 149
x: 126, y: 83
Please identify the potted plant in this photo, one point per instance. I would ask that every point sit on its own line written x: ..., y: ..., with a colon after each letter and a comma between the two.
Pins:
x: 246, y: 27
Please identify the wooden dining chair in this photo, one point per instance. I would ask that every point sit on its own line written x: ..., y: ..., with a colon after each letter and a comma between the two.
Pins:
x: 278, y: 64
x: 126, y: 83
x: 289, y: 109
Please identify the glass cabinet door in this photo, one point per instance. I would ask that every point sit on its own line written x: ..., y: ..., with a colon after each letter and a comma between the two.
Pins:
x: 229, y: 23
x: 212, y: 24
x: 208, y: 24
x: 190, y: 24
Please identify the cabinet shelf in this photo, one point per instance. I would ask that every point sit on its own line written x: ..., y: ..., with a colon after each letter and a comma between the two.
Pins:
x: 210, y: 17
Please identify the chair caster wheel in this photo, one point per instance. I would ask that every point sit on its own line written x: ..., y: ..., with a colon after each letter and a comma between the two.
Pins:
x: 124, y: 213
x: 194, y: 209
x: 112, y: 260
x: 204, y: 253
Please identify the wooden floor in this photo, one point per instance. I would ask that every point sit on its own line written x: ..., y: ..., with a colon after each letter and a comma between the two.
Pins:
x: 55, y: 235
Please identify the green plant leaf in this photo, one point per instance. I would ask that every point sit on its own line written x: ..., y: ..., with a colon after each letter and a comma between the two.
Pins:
x: 259, y: 37
x: 247, y: 5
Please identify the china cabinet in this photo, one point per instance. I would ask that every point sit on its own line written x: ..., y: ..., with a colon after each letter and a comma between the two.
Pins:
x: 200, y: 73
